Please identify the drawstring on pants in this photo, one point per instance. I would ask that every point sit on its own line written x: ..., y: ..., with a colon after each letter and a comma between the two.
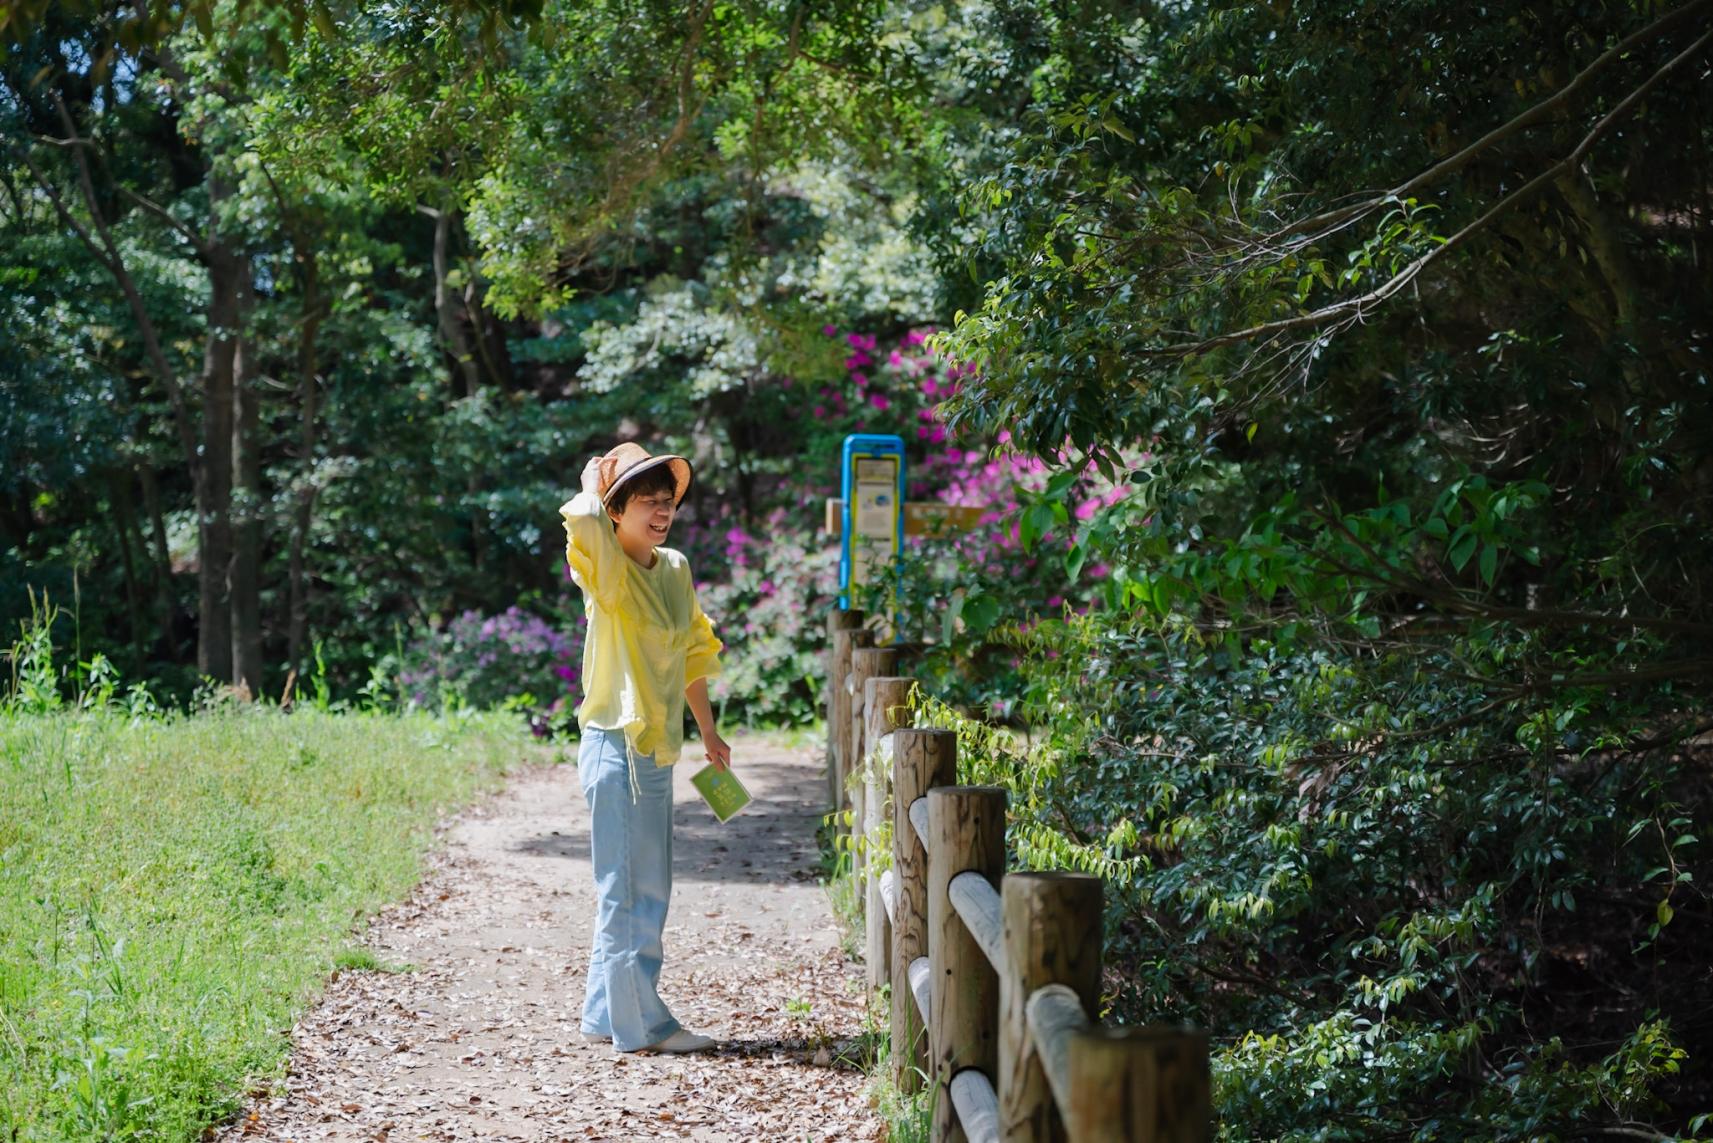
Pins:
x: 630, y: 764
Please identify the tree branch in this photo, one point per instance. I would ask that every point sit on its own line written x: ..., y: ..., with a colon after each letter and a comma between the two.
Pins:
x: 1462, y: 158
x: 160, y: 212
x: 1353, y: 310
x: 45, y: 185
x: 107, y: 252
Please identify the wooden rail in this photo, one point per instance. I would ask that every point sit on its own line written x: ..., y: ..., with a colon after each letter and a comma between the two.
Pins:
x: 993, y: 975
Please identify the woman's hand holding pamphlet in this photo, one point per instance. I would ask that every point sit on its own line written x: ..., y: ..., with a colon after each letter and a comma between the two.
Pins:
x: 721, y: 789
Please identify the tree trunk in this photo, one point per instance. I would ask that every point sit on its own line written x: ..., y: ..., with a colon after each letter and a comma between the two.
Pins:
x: 1606, y: 244
x: 303, y: 508
x: 15, y: 521
x: 247, y: 526
x: 162, y: 577
x: 466, y: 376
x: 214, y: 602
x: 487, y: 334
x: 124, y: 519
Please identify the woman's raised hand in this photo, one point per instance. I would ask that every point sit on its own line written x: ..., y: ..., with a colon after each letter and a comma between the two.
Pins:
x: 592, y: 476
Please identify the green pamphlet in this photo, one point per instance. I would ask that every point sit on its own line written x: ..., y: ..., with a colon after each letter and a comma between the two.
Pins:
x: 722, y: 791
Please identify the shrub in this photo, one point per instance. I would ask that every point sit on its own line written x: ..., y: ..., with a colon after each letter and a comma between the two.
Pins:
x: 489, y: 660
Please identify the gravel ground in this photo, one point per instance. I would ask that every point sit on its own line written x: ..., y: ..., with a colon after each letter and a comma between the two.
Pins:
x: 477, y: 1038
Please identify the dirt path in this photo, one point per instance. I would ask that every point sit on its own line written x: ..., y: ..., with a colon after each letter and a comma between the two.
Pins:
x: 480, y: 1040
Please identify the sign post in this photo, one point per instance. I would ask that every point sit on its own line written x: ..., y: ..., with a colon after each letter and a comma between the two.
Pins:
x: 872, y: 532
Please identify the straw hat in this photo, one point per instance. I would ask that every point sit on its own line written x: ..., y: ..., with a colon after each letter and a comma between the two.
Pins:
x: 625, y: 461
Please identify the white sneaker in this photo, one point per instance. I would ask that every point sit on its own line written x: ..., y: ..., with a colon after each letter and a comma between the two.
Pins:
x: 680, y: 1042
x: 597, y: 1038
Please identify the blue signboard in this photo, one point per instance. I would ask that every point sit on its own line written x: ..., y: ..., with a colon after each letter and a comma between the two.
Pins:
x: 871, y: 535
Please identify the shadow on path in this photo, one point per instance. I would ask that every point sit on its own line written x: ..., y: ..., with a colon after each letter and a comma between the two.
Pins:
x: 771, y: 842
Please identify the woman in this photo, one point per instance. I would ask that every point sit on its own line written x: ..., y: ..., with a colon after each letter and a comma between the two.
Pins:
x: 649, y: 650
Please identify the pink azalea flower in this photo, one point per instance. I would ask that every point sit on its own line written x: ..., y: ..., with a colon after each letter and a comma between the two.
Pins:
x: 861, y: 380
x: 820, y: 412
x: 930, y: 386
x: 879, y: 401
x: 829, y: 330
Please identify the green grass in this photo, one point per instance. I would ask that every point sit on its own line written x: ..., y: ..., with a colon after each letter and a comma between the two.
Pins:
x: 364, y: 960
x: 173, y: 891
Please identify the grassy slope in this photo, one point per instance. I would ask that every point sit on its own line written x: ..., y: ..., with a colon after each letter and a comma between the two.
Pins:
x: 171, y: 892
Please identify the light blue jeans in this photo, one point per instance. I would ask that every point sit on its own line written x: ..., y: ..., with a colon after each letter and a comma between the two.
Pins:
x: 631, y: 846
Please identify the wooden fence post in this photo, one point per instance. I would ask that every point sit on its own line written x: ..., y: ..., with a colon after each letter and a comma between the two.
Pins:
x: 1139, y: 1083
x: 866, y: 663
x: 1052, y: 936
x: 886, y: 708
x: 836, y: 621
x: 922, y: 759
x: 844, y: 642
x: 966, y: 831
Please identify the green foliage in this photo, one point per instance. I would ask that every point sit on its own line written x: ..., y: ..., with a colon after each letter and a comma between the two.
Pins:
x: 1387, y: 734
x: 1363, y: 356
x: 35, y: 684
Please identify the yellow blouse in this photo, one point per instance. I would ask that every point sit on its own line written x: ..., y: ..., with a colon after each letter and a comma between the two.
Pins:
x: 647, y: 637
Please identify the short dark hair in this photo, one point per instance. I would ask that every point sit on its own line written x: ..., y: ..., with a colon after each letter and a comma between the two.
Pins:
x: 651, y: 483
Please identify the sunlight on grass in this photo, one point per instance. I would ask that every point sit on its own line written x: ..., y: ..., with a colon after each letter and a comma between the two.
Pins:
x: 173, y: 891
